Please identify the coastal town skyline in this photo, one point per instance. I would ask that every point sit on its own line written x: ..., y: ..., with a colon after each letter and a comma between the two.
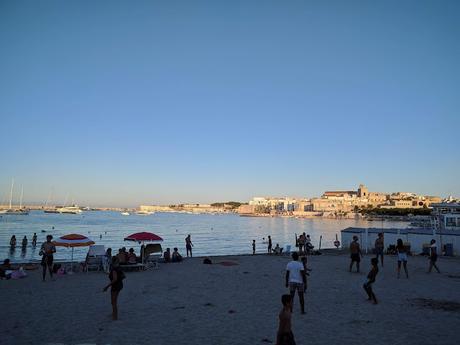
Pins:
x: 70, y: 199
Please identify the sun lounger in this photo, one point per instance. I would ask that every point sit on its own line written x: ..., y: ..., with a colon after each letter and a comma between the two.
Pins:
x: 94, y: 258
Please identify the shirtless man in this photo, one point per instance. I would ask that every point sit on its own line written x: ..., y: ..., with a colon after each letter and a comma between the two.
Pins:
x: 355, y: 253
x: 47, y: 251
x: 284, y: 335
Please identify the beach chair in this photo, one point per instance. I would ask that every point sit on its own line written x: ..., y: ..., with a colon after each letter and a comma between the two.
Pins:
x: 94, y: 258
x: 152, y: 254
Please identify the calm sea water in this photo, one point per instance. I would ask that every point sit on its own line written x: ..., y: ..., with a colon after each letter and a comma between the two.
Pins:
x: 211, y: 234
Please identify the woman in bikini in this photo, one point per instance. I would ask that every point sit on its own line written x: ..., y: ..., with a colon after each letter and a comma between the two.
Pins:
x: 116, y: 277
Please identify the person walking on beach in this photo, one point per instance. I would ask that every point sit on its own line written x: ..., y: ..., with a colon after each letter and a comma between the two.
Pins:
x: 116, y: 277
x: 296, y: 280
x: 269, y: 248
x: 47, y: 250
x: 188, y: 245
x: 433, y: 256
x: 355, y: 253
x: 253, y: 247
x: 371, y: 280
x: 13, y: 241
x: 285, y: 335
x: 379, y: 247
x: 34, y: 240
x: 402, y: 257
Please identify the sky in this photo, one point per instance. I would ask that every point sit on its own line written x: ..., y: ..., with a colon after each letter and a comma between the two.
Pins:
x: 121, y: 103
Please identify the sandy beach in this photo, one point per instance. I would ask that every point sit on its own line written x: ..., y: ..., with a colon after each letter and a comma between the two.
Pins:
x: 191, y: 303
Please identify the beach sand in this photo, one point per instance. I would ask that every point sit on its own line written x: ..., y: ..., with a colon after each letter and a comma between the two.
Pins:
x: 191, y: 303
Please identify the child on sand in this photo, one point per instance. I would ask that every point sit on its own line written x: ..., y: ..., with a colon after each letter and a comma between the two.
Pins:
x: 371, y: 280
x: 284, y: 335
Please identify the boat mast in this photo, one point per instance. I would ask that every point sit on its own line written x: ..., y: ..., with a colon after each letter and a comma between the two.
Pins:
x: 11, y: 192
x: 20, y: 199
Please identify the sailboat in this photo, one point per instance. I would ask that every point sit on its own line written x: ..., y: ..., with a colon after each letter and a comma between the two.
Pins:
x: 11, y: 210
x: 47, y: 208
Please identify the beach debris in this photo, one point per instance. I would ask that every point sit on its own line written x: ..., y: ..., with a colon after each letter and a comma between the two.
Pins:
x: 180, y: 307
x: 266, y: 340
x: 231, y: 311
x: 436, y: 304
x: 208, y: 305
x: 245, y: 272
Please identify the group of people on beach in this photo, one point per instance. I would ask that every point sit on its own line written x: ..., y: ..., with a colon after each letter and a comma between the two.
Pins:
x: 402, y: 255
x: 297, y: 272
x: 116, y: 275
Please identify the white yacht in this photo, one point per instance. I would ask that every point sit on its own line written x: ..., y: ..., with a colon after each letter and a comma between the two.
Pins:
x: 69, y: 210
x: 125, y: 213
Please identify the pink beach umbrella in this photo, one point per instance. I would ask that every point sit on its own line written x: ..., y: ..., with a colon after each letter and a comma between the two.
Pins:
x: 143, y: 237
x: 72, y: 241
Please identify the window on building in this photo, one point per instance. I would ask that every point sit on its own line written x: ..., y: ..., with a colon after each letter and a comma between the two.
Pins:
x: 451, y: 221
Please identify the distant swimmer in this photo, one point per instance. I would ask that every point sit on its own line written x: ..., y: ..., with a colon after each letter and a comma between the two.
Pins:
x: 100, y: 236
x: 34, y: 239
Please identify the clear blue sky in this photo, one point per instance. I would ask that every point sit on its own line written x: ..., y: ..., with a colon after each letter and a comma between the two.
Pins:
x: 129, y: 102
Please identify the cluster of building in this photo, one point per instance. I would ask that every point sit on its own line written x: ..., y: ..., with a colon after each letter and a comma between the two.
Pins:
x: 187, y: 208
x: 343, y: 203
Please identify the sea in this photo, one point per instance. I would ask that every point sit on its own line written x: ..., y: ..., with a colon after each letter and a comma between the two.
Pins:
x: 211, y: 234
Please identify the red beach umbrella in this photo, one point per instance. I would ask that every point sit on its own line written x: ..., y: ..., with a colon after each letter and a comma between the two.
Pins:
x: 144, y: 237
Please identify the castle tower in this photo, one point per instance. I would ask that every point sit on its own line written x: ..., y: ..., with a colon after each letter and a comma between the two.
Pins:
x: 363, y: 192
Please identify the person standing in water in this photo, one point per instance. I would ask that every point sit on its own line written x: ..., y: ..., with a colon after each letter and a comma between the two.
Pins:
x: 13, y: 241
x: 433, y: 256
x: 253, y: 247
x: 269, y: 248
x: 47, y: 250
x: 379, y: 247
x: 116, y: 277
x: 188, y: 245
x: 34, y: 239
x: 402, y: 256
x: 355, y: 253
x: 285, y: 335
x: 24, y: 242
x: 371, y: 280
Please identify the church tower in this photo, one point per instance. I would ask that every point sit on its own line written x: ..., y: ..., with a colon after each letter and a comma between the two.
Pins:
x: 363, y: 192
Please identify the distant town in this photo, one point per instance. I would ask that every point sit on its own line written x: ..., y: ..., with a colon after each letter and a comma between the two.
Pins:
x: 332, y: 204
